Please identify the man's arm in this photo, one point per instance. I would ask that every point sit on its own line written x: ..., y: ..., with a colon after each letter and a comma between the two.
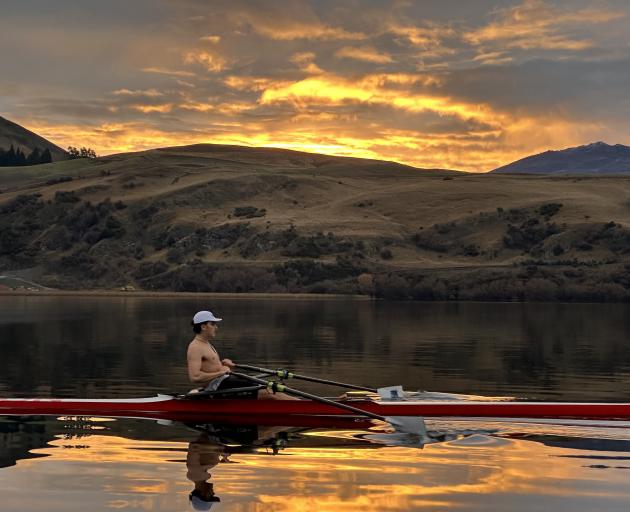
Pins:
x: 195, y: 373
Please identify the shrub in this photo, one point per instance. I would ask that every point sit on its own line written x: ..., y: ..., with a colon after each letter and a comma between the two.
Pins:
x: 529, y: 234
x: 429, y: 242
x: 549, y: 210
x: 249, y: 212
x: 150, y: 269
x: 316, y: 245
x: 470, y: 250
x: 64, y: 196
x: 21, y: 203
x: 58, y: 179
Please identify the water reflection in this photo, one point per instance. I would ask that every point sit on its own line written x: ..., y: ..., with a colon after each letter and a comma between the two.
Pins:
x: 203, y: 455
x: 132, y: 465
x: 126, y: 347
x: 117, y: 346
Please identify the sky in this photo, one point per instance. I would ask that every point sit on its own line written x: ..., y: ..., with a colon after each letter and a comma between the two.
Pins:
x: 468, y: 85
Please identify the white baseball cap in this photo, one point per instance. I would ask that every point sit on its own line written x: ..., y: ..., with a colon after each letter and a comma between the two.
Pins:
x: 200, y: 504
x: 205, y: 316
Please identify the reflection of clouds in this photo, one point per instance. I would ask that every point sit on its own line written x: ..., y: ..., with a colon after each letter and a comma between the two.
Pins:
x: 149, y: 475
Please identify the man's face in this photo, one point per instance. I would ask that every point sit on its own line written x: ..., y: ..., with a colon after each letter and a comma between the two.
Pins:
x: 210, y: 329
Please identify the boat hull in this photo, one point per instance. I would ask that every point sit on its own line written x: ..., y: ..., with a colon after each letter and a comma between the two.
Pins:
x: 172, y: 408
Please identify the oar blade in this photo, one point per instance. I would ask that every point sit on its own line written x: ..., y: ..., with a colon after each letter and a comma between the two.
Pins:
x: 409, y: 425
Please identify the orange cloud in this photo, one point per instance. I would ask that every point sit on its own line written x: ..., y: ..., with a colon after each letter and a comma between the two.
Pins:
x: 283, y: 27
x: 493, y: 58
x: 480, y: 148
x: 211, y: 62
x: 210, y: 39
x: 534, y: 24
x: 425, y: 37
x: 166, y: 71
x: 151, y: 93
x: 305, y: 61
x: 248, y: 83
x: 147, y: 109
x: 363, y: 53
x: 334, y: 90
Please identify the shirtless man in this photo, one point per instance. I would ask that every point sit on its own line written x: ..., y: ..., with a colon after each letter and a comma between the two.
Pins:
x: 207, y: 369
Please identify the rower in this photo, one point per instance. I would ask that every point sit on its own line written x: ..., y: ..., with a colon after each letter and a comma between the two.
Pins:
x: 207, y: 369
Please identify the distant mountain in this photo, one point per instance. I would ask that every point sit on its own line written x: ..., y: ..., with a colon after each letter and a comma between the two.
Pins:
x: 596, y: 158
x: 18, y: 136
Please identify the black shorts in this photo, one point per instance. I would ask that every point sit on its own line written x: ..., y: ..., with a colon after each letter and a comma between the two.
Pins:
x: 234, y: 382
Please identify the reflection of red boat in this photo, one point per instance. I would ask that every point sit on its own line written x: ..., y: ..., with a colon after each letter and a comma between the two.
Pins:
x: 255, y: 411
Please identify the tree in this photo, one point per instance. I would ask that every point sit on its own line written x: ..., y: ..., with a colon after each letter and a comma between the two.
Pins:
x: 10, y: 156
x: 20, y: 157
x: 83, y: 152
x: 14, y: 157
x: 34, y: 157
x: 46, y: 157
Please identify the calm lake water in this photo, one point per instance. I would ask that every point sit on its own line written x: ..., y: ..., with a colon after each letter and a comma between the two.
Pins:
x: 131, y: 347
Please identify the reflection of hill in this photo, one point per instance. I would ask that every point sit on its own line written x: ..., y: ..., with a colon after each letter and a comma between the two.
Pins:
x: 102, y: 347
x: 583, y: 443
x: 18, y: 438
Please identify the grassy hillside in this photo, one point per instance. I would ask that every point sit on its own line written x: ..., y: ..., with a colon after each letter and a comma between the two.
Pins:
x: 228, y: 218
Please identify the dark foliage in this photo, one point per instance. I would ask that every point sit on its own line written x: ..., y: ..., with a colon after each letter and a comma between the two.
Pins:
x: 249, y: 212
x: 316, y: 245
x: 63, y: 196
x: 549, y: 210
x: 149, y: 270
x: 83, y: 152
x: 16, y: 157
x: 58, y: 179
x: 267, y: 241
x: 306, y: 272
x: 529, y: 234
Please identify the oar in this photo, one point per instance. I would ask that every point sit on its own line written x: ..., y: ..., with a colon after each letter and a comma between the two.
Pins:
x: 285, y: 374
x: 408, y: 424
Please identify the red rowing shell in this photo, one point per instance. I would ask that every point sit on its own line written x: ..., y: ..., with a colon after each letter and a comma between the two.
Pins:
x: 168, y: 407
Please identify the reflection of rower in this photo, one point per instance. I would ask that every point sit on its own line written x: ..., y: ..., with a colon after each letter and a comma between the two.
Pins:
x: 203, y: 455
x: 210, y: 449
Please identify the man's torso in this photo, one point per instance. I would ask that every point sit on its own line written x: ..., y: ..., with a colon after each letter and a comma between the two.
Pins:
x: 210, y: 361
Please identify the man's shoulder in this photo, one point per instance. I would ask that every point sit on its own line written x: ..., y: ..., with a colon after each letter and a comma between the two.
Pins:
x: 194, y: 346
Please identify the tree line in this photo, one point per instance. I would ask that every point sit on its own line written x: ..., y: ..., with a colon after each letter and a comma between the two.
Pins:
x: 17, y: 157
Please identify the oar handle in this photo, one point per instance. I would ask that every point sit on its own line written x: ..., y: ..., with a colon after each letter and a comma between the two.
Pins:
x: 280, y: 387
x: 284, y: 374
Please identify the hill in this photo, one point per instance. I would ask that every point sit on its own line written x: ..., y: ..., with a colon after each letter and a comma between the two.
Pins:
x: 596, y: 158
x: 12, y: 134
x: 236, y: 219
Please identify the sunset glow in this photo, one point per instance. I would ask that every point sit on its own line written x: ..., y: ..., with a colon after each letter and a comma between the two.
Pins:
x: 469, y: 85
x: 473, y: 473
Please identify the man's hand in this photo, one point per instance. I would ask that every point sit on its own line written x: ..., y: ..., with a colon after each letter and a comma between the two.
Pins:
x: 226, y: 370
x: 228, y: 363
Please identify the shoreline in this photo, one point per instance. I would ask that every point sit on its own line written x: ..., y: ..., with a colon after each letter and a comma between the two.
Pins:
x: 148, y: 294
